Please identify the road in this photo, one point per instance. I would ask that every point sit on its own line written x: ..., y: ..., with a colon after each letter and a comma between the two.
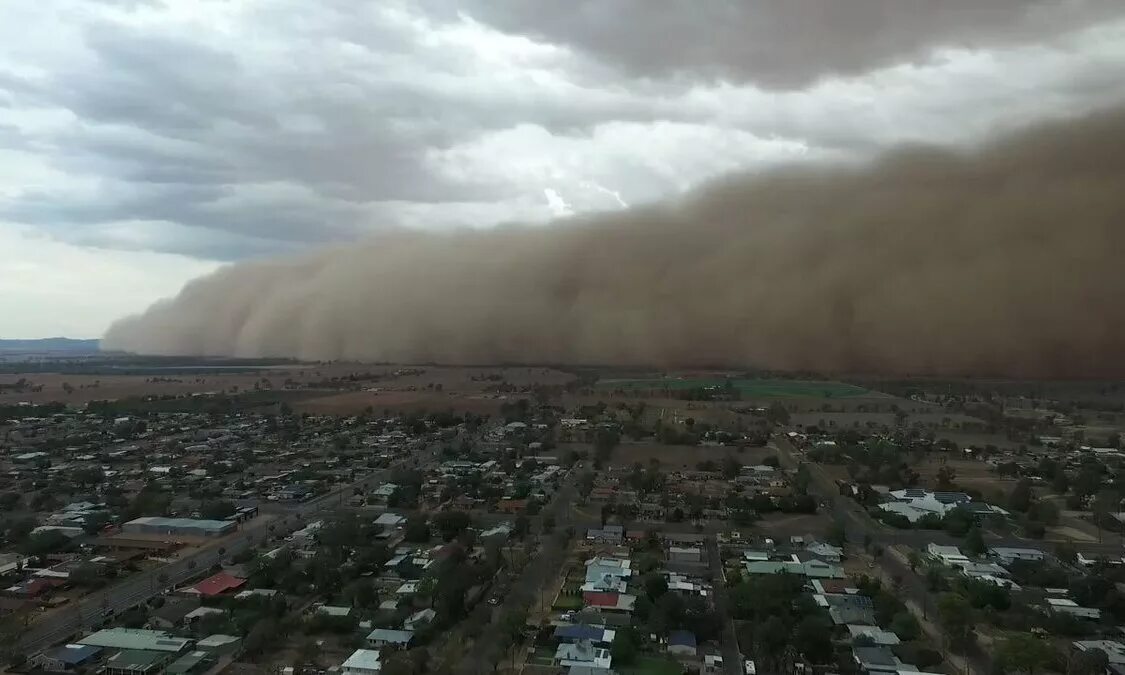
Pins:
x: 539, y: 571
x: 732, y: 658
x: 91, y: 611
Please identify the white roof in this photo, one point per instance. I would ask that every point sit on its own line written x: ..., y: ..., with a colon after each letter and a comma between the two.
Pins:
x: 365, y: 659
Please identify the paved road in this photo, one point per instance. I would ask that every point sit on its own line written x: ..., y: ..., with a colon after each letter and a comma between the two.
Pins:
x: 732, y: 658
x: 93, y: 610
x: 540, y: 570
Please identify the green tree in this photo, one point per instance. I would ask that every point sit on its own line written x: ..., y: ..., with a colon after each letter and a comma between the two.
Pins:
x: 451, y: 523
x: 974, y: 541
x: 216, y: 510
x: 1089, y: 662
x: 1020, y: 498
x: 837, y: 533
x: 626, y: 646
x: 905, y: 626
x: 1024, y: 653
x: 945, y: 477
x: 956, y: 616
x: 777, y: 414
x: 417, y: 529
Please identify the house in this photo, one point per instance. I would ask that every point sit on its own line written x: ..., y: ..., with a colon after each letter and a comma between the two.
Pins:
x: 813, y: 569
x: 136, y: 662
x: 846, y: 609
x: 1114, y: 650
x: 171, y: 614
x: 607, y: 574
x: 826, y: 552
x: 66, y: 658
x: 881, y: 638
x: 383, y: 637
x: 582, y: 654
x: 681, y: 643
x: 1008, y: 555
x: 713, y: 664
x: 511, y: 506
x: 190, y: 663
x: 500, y: 532
x: 878, y: 660
x: 332, y: 610
x: 609, y: 534
x: 419, y: 619
x: 692, y: 555
x: 390, y: 520
x: 610, y: 602
x: 136, y: 639
x: 362, y: 662
x: 220, y: 645
x: 200, y: 612
x: 1066, y: 606
x: 217, y: 584
x: 582, y: 633
x: 949, y: 555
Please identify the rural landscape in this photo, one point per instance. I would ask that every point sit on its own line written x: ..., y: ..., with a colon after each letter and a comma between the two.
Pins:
x: 194, y: 515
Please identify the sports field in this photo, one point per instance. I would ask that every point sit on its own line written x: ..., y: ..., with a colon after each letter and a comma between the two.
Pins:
x: 746, y: 388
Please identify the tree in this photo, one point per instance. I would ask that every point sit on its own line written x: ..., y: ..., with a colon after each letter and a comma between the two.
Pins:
x: 974, y: 541
x: 216, y: 510
x: 85, y: 575
x: 945, y: 477
x: 1023, y: 653
x: 813, y: 639
x: 777, y: 414
x: 521, y: 527
x: 625, y: 646
x: 731, y: 467
x: 9, y: 500
x: 1020, y: 498
x: 95, y: 521
x: 1105, y: 503
x: 451, y: 523
x: 837, y: 533
x: 417, y: 530
x: 548, y: 523
x: 655, y: 586
x: 1089, y: 662
x: 905, y: 626
x: 956, y: 617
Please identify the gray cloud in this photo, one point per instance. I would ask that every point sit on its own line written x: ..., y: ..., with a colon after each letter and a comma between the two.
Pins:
x: 240, y: 129
x: 1003, y: 260
x: 782, y: 43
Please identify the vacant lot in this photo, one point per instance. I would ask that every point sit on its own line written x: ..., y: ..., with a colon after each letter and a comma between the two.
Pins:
x: 747, y: 388
x: 683, y: 456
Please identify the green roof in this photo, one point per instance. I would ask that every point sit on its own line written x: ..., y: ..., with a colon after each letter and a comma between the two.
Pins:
x: 187, y: 662
x: 135, y: 638
x: 815, y: 570
x: 136, y: 659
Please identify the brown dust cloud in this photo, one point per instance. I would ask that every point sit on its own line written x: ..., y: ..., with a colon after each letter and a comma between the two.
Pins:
x: 1002, y: 260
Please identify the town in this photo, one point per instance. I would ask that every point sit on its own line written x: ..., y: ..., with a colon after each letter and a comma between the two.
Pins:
x: 403, y: 520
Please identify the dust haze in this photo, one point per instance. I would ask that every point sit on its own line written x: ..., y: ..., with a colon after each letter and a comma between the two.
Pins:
x: 1006, y: 260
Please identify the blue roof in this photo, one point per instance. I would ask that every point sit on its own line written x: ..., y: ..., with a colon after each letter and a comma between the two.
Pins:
x: 579, y: 632
x: 682, y: 637
x: 73, y: 654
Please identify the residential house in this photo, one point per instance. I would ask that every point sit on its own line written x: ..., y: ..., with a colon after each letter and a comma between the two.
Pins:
x: 383, y: 637
x: 191, y: 663
x: 220, y: 645
x: 948, y: 555
x: 878, y: 636
x: 610, y: 602
x: 171, y: 614
x: 66, y: 658
x: 217, y: 584
x: 692, y: 555
x: 1114, y: 650
x: 826, y: 552
x: 595, y: 635
x: 136, y: 662
x: 362, y: 662
x: 582, y: 654
x: 878, y: 660
x: 681, y: 643
x: 1067, y: 606
x: 419, y: 619
x: 1008, y: 555
x: 610, y: 534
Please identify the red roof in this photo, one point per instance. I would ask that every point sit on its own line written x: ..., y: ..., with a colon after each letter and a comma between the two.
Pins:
x: 218, y: 584
x: 594, y: 599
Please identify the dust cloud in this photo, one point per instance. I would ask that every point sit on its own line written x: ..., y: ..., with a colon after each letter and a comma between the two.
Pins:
x: 1004, y: 260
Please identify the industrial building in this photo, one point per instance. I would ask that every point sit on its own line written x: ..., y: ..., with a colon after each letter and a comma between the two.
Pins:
x: 136, y: 639
x: 179, y: 527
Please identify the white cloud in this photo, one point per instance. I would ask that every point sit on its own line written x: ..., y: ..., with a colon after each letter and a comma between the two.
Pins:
x: 50, y: 288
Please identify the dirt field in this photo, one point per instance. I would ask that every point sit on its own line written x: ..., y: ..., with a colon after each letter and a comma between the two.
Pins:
x: 683, y: 456
x: 49, y: 387
x: 356, y: 402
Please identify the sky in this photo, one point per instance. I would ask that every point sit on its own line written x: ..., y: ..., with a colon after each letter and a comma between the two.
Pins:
x: 145, y: 142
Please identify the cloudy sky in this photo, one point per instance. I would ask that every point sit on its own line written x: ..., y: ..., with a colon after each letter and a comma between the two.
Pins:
x: 146, y: 142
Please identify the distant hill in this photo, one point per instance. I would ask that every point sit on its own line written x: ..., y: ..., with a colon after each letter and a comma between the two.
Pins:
x: 54, y: 345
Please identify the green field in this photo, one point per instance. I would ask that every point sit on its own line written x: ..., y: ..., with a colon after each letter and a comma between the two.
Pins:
x: 746, y: 388
x: 652, y: 665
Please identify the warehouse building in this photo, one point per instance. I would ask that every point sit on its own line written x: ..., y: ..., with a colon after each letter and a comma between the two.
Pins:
x: 179, y: 527
x: 136, y: 639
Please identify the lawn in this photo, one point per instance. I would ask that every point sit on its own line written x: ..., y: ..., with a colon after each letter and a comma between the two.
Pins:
x: 754, y: 388
x: 565, y: 602
x: 652, y: 665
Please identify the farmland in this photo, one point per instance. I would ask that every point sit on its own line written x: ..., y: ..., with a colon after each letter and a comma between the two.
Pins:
x: 747, y: 388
